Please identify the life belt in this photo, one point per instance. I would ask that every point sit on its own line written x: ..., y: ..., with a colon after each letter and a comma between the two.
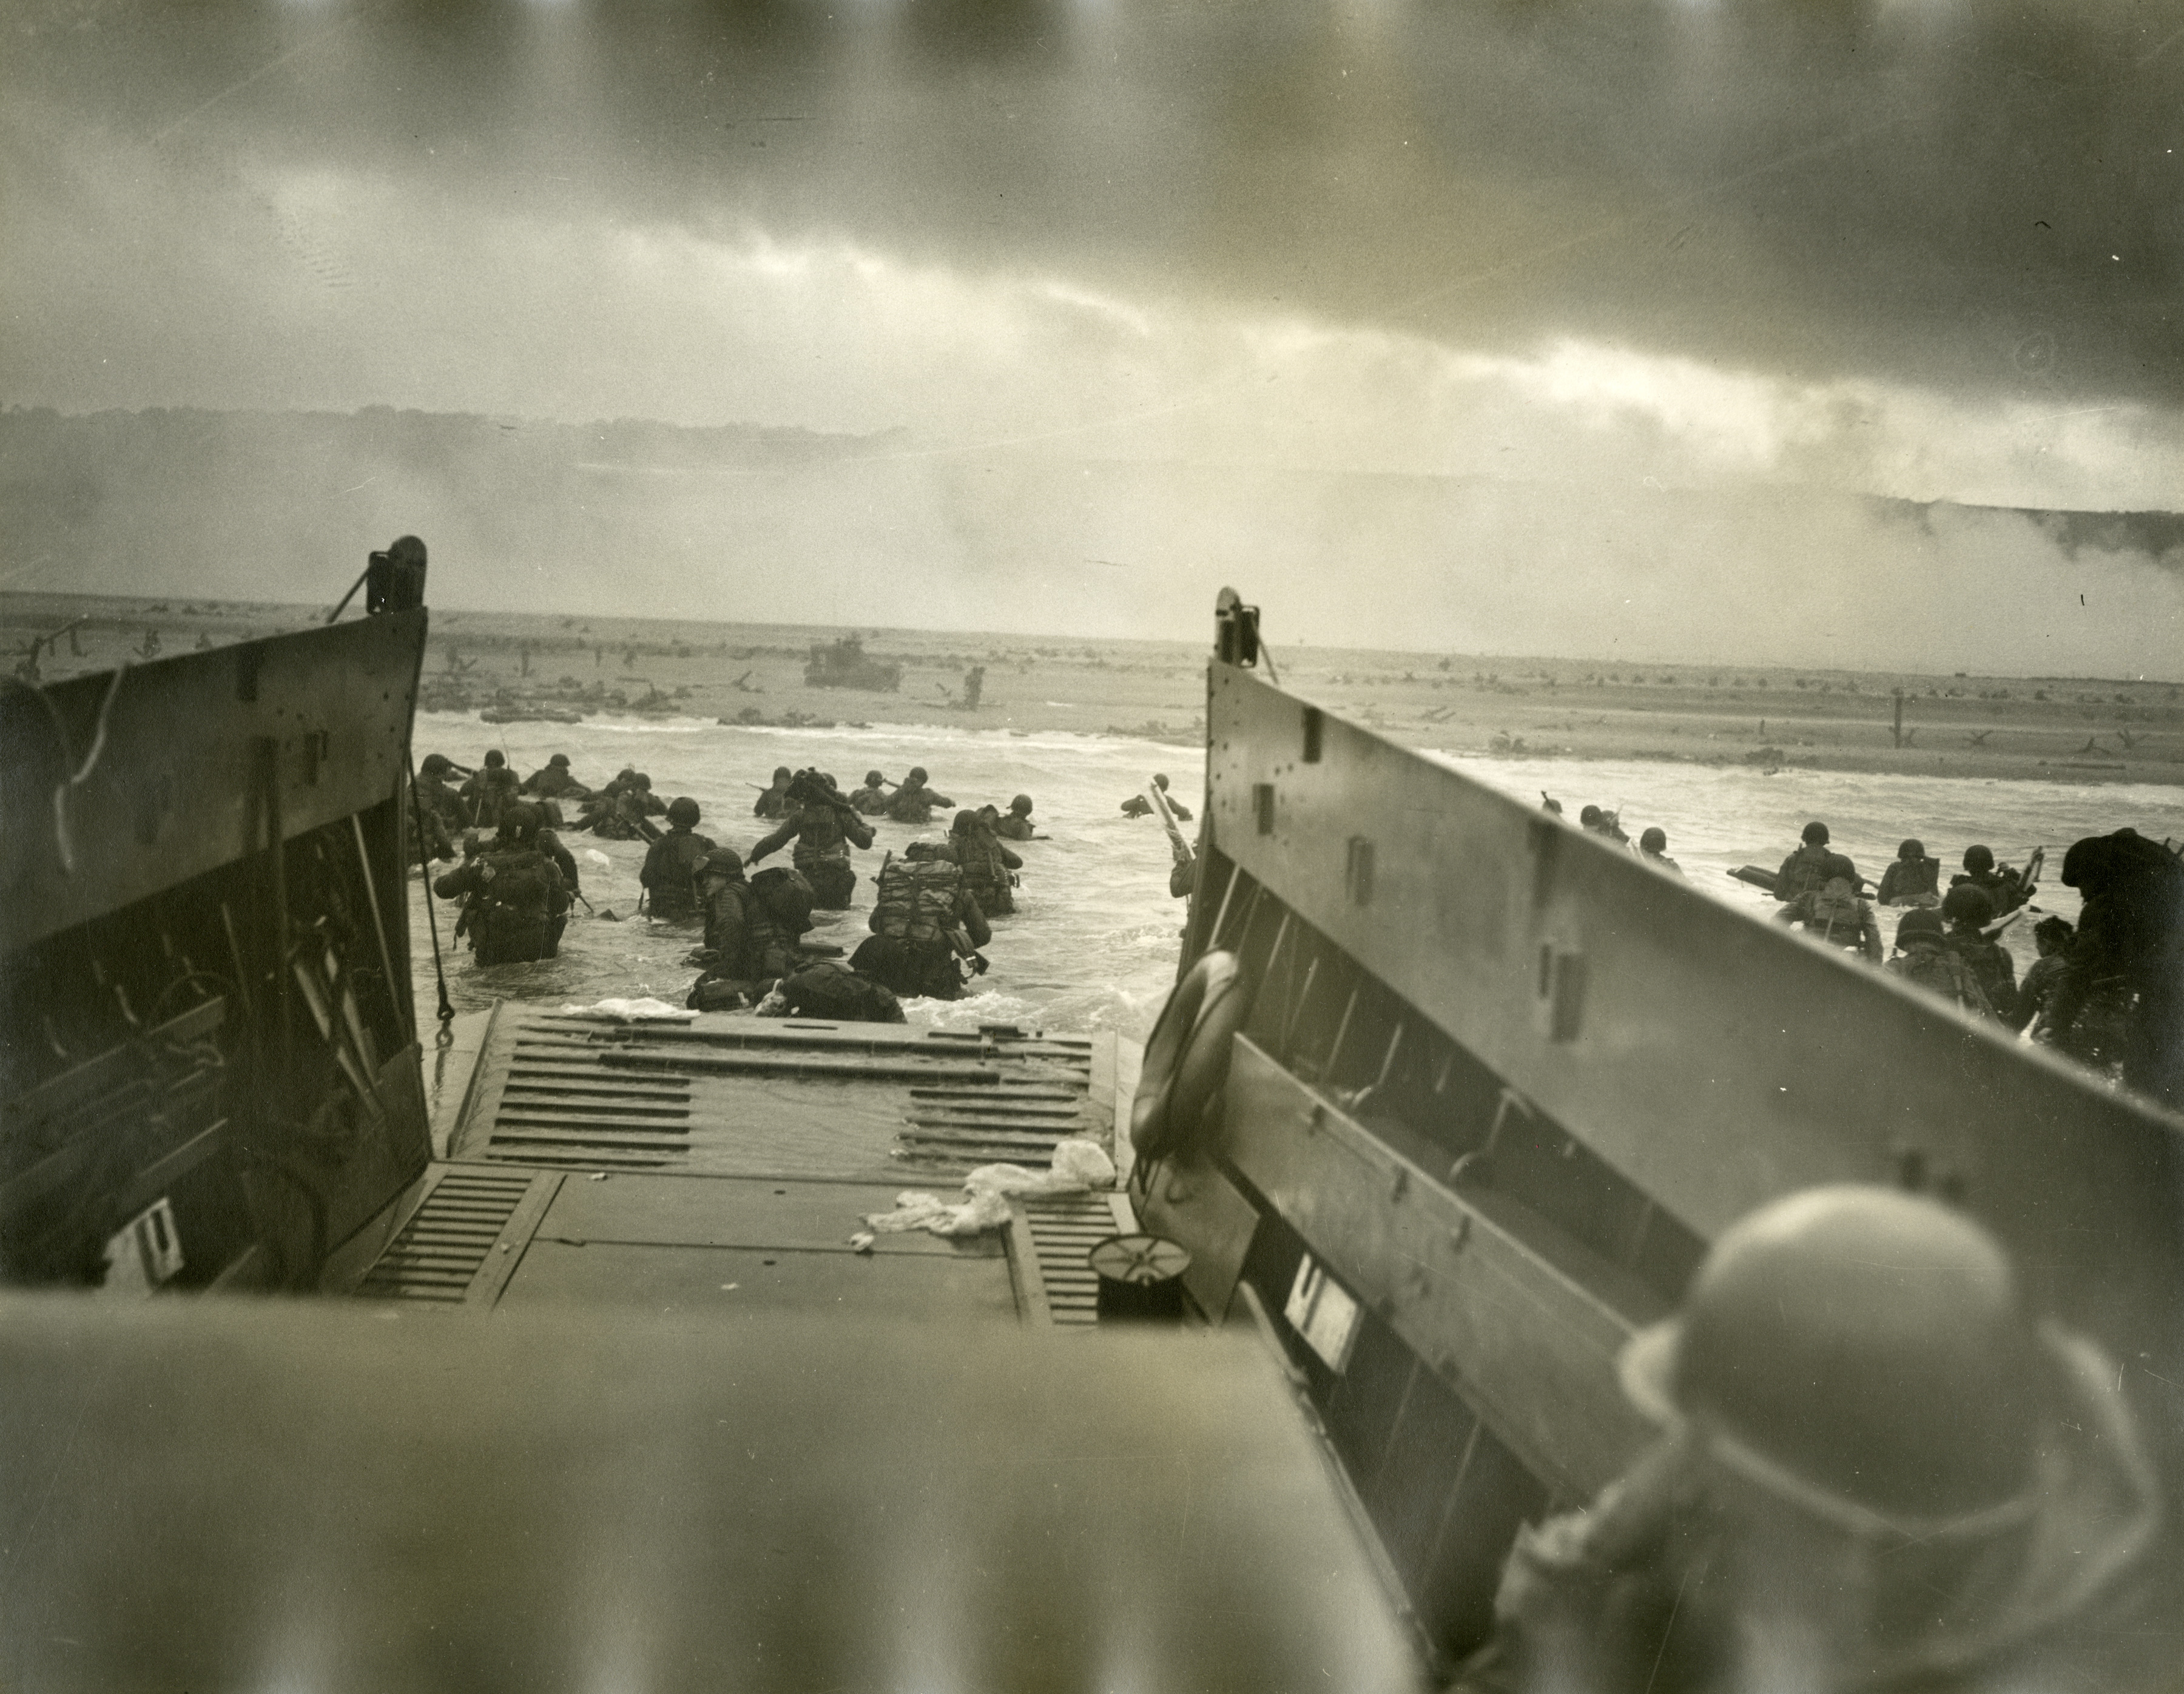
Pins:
x: 1187, y: 1058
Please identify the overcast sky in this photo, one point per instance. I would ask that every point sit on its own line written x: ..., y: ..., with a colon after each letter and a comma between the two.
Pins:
x: 1700, y: 247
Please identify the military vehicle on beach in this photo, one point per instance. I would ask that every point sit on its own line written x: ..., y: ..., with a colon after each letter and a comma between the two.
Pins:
x: 843, y: 664
x: 1448, y: 1102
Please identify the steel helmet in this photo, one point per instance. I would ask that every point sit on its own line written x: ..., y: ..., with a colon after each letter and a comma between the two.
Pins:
x: 1968, y: 902
x: 682, y: 810
x: 873, y: 779
x: 1978, y: 859
x: 1860, y: 1350
x: 916, y: 774
x: 721, y: 861
x: 1921, y: 920
x: 1021, y: 805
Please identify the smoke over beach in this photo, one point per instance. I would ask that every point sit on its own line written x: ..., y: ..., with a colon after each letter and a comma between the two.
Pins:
x: 1707, y: 333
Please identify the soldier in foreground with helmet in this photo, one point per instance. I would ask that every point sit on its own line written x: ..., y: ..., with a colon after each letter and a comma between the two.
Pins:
x: 923, y: 921
x: 1874, y: 1472
x: 747, y: 946
x: 515, y: 903
x: 670, y: 864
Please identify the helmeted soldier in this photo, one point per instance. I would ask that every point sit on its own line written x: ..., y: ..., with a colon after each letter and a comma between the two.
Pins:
x: 515, y: 904
x: 2121, y: 997
x: 774, y: 802
x: 492, y: 787
x: 871, y: 798
x: 1810, y: 868
x: 1923, y: 956
x: 2052, y: 936
x: 913, y: 802
x: 1016, y: 825
x: 1834, y: 913
x: 823, y: 825
x: 553, y: 781
x: 433, y: 792
x: 923, y: 921
x: 670, y: 865
x: 1874, y: 1472
x: 1967, y: 911
x: 1653, y: 849
x: 748, y: 945
x: 986, y: 863
x: 1912, y: 878
x: 2005, y: 887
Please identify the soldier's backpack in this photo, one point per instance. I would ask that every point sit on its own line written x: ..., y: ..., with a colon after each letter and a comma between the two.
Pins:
x: 1833, y: 912
x: 917, y: 900
x: 1807, y: 872
x: 830, y: 990
x: 507, y: 916
x: 785, y: 896
x: 518, y: 885
x: 1939, y: 971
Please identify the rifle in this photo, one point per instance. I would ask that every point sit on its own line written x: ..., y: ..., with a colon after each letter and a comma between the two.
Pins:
x: 1183, y: 856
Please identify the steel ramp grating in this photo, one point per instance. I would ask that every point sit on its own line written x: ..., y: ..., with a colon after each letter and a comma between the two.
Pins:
x: 1064, y: 1228
x: 441, y: 1250
x: 558, y: 1108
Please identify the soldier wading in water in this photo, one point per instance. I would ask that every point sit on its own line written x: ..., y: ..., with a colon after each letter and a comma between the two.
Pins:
x: 823, y: 825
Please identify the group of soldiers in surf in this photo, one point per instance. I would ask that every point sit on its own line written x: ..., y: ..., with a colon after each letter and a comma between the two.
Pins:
x: 2108, y: 991
x: 931, y: 915
x: 516, y: 881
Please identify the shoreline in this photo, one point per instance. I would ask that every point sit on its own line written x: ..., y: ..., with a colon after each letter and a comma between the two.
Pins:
x: 2078, y: 731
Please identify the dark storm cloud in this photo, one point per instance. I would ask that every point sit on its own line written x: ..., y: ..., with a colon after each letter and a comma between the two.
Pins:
x: 1978, y: 197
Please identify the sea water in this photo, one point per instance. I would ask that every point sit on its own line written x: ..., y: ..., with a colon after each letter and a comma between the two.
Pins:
x: 1093, y: 943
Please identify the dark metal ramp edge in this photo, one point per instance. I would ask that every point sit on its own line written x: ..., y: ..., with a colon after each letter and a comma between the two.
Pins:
x: 459, y: 1246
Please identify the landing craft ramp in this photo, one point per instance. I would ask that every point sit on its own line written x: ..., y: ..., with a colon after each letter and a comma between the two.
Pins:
x: 1501, y: 1083
x: 707, y: 1162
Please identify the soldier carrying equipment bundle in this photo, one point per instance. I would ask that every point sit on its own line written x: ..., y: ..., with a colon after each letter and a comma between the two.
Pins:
x: 917, y: 902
